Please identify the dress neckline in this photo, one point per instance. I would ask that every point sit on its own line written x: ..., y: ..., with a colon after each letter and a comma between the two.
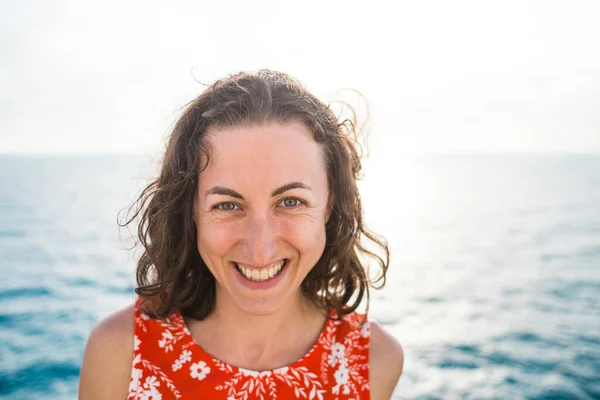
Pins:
x: 329, y: 325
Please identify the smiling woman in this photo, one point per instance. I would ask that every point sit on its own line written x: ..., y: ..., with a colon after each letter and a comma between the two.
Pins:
x: 250, y: 279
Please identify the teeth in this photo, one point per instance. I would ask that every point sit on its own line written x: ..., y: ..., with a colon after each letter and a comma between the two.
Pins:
x: 263, y: 274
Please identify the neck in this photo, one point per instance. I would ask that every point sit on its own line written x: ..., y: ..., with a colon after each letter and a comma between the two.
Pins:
x: 261, y: 342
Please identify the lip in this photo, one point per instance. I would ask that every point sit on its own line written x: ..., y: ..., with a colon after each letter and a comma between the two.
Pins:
x: 260, y: 285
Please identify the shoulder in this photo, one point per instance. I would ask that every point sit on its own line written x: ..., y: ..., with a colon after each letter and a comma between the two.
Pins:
x: 386, y: 362
x: 106, y: 366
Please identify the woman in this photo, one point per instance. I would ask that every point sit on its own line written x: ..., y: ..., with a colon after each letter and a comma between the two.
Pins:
x: 251, y: 274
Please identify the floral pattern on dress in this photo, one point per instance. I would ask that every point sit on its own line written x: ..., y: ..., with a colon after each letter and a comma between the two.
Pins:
x: 169, y: 364
x: 247, y: 384
x: 148, y: 390
x: 199, y: 370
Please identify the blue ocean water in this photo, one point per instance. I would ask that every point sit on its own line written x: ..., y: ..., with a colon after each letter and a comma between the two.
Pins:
x: 493, y: 289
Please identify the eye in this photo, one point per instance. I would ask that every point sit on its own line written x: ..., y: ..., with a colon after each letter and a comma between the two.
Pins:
x: 225, y: 206
x: 291, y: 202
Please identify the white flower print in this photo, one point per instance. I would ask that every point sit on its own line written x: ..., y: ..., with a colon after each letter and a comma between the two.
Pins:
x: 199, y: 370
x: 341, y: 353
x: 174, y: 330
x: 151, y: 382
x: 347, y: 358
x: 136, y: 375
x: 156, y: 372
x: 149, y: 391
x: 177, y: 365
x: 331, y: 360
x: 151, y: 394
x: 338, y: 352
x: 185, y: 356
x: 166, y: 341
x: 248, y: 384
x: 136, y: 393
x: 341, y: 375
x: 143, y: 370
x: 341, y: 379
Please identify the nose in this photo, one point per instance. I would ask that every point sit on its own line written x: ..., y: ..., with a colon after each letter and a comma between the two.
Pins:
x: 260, y: 240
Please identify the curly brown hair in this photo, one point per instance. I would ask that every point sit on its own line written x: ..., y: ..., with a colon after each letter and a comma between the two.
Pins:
x: 171, y: 273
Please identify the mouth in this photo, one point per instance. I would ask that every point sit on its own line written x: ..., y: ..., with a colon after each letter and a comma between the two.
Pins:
x: 261, y: 274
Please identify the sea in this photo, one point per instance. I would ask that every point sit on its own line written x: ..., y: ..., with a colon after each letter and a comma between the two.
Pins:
x: 493, y: 288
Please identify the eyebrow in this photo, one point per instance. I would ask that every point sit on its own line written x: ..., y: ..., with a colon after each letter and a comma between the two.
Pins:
x: 232, y: 193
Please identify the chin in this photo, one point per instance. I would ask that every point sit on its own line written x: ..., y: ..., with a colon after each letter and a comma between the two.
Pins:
x: 261, y: 307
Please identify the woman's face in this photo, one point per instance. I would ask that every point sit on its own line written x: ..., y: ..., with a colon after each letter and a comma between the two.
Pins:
x: 261, y: 209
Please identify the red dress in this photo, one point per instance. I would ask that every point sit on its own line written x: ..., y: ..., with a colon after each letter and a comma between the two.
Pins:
x: 169, y: 364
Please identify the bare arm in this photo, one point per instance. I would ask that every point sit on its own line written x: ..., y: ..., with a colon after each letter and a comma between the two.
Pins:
x: 106, y: 366
x: 386, y: 363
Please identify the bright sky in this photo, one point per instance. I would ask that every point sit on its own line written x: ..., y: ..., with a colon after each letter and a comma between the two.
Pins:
x: 443, y: 76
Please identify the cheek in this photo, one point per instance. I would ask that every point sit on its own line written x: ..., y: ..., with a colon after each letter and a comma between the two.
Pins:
x: 307, y: 237
x: 214, y: 241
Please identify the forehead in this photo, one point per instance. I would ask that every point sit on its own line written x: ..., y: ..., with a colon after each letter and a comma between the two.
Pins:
x: 264, y: 153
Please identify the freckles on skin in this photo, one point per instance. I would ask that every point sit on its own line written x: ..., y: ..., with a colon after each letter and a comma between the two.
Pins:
x: 302, y: 228
x: 242, y: 216
x: 299, y: 227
